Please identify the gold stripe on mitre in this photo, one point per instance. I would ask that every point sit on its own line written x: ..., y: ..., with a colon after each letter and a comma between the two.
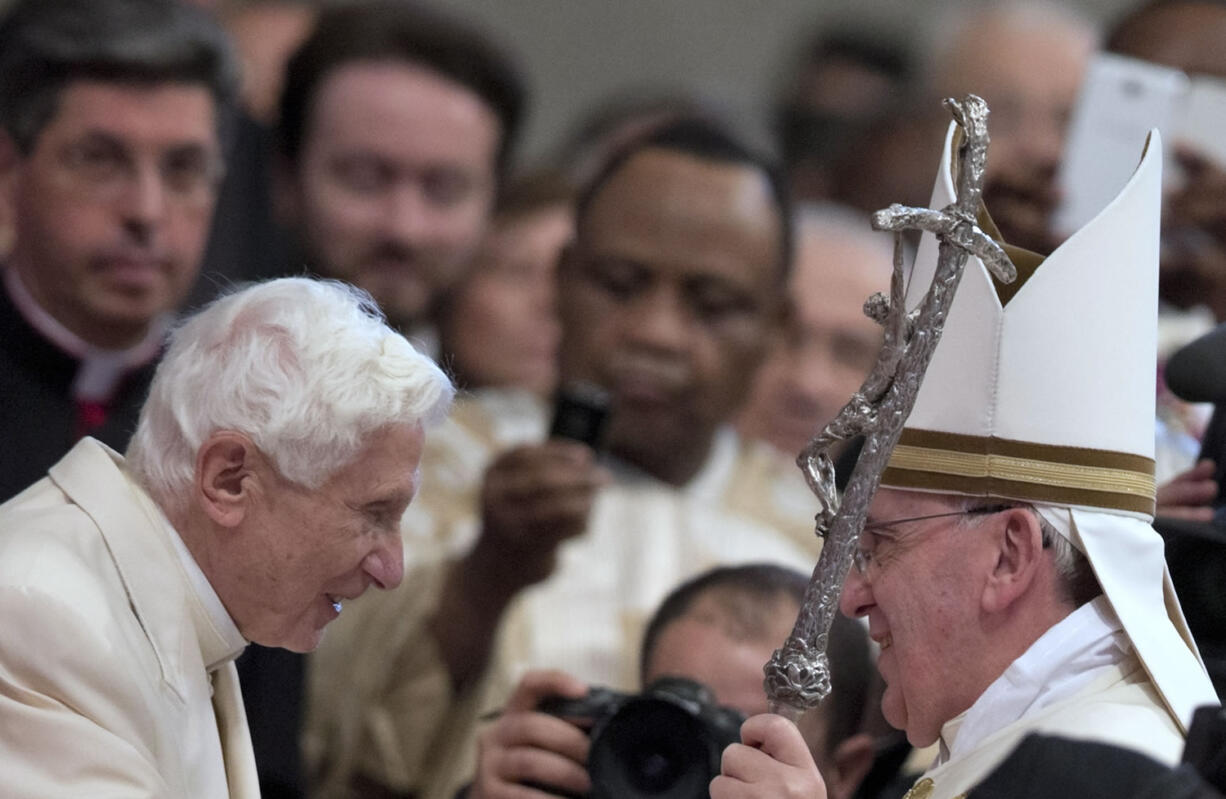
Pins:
x: 988, y: 466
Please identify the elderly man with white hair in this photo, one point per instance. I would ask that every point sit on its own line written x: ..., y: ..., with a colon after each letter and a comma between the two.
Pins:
x: 264, y: 486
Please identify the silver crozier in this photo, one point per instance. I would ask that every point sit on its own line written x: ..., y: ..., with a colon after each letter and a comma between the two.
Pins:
x: 798, y: 674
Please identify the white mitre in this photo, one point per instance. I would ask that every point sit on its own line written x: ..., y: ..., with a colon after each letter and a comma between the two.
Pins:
x: 1043, y: 391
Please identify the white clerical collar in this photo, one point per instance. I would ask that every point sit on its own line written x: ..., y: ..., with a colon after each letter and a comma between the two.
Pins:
x: 1066, y: 658
x: 101, y: 369
x: 218, y: 635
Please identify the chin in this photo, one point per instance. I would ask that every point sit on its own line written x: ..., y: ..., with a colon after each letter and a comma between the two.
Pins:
x: 919, y: 733
x: 303, y: 643
x: 893, y: 709
x: 922, y: 738
x: 302, y: 639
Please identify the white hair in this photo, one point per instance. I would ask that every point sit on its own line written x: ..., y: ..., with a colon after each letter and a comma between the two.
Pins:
x: 307, y: 369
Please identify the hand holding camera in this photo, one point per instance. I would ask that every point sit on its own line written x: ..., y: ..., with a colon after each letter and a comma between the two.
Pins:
x: 665, y: 743
x: 534, y: 497
x: 557, y: 739
x: 526, y: 747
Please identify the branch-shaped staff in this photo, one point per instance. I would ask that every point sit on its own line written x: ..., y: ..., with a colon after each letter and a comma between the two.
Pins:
x: 798, y: 674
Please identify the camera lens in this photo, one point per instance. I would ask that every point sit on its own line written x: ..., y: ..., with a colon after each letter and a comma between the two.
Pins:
x: 655, y: 749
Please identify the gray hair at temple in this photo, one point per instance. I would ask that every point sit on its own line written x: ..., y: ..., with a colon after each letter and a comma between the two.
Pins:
x: 1077, y: 580
x: 45, y: 44
x: 307, y: 369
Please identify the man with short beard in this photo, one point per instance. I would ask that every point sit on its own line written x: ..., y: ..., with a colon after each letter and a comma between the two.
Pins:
x: 395, y: 126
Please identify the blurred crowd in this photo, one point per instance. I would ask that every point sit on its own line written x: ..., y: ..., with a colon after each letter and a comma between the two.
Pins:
x: 695, y: 297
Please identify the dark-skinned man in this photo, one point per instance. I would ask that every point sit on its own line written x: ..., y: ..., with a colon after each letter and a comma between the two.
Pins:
x: 545, y: 555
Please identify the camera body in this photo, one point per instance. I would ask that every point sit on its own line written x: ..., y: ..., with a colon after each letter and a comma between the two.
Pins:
x: 580, y: 413
x: 665, y: 743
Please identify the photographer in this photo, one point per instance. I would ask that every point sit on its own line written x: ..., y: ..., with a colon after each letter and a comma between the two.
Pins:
x: 717, y: 629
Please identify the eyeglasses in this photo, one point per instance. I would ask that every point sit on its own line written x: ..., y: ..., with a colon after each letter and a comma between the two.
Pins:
x: 103, y: 167
x: 861, y: 558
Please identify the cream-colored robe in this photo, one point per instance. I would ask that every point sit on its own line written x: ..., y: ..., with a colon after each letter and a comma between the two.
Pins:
x: 1121, y: 708
x: 108, y: 659
x: 380, y: 699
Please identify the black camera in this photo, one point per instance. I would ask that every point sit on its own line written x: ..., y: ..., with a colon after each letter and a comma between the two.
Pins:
x: 580, y: 413
x: 665, y: 743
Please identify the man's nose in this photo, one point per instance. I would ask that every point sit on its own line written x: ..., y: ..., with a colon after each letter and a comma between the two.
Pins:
x: 385, y: 563
x: 143, y: 199
x: 659, y: 319
x: 407, y: 214
x: 1041, y: 135
x: 856, y: 598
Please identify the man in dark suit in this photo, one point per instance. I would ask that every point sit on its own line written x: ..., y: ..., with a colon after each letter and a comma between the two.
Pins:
x: 110, y: 158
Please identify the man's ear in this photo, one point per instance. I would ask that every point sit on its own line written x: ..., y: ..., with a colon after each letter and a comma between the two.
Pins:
x: 1019, y: 551
x: 852, y: 759
x: 229, y: 473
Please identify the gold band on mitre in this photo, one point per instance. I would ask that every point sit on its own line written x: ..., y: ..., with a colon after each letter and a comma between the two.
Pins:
x: 988, y: 466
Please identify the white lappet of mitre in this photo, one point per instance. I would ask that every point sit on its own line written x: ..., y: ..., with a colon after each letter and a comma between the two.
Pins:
x: 1043, y: 391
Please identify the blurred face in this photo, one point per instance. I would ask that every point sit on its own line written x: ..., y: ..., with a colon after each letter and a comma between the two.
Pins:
x: 310, y: 548
x: 699, y: 649
x: 266, y: 35
x: 1030, y: 75
x: 669, y: 299
x: 395, y: 180
x: 920, y: 597
x: 1185, y: 36
x: 831, y: 344
x: 501, y: 326
x: 112, y: 205
x: 1188, y: 36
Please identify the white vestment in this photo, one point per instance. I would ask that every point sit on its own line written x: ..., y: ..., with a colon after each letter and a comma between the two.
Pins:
x: 117, y: 672
x: 1080, y: 679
